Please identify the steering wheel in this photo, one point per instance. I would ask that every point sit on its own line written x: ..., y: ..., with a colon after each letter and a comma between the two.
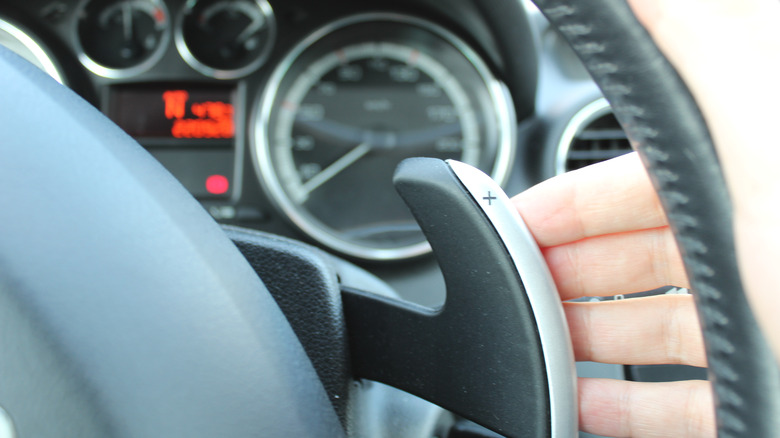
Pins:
x: 126, y: 311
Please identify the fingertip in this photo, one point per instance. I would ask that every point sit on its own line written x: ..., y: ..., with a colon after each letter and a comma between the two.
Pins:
x: 600, y: 405
x: 621, y: 408
x: 545, y: 208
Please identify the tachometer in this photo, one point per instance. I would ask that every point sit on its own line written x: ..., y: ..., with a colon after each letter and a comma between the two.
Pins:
x: 353, y: 100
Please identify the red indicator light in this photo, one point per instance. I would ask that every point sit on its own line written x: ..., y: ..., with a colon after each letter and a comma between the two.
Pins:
x: 217, y: 184
x: 159, y: 16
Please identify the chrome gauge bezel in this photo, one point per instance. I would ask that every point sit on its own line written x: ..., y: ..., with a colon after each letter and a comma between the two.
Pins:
x: 121, y: 73
x: 216, y: 73
x: 35, y: 50
x: 574, y: 127
x: 499, y: 96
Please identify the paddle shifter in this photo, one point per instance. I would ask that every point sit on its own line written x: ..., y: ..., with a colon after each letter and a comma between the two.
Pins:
x: 498, y: 351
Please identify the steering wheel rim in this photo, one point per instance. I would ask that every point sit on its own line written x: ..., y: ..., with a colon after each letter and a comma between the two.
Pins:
x: 664, y: 124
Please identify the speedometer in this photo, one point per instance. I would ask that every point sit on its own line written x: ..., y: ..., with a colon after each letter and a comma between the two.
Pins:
x: 352, y: 101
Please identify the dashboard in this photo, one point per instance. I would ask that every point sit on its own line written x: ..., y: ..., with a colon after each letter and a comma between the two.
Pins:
x: 290, y: 117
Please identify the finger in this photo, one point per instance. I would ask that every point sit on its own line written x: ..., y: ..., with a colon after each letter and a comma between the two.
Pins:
x: 661, y: 329
x: 616, y: 264
x: 639, y: 409
x: 609, y: 197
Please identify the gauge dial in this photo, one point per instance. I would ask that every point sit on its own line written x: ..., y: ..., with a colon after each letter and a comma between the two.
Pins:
x: 347, y: 106
x: 119, y: 38
x: 226, y: 38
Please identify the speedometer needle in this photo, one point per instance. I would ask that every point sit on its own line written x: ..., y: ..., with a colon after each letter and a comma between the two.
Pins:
x: 334, y: 169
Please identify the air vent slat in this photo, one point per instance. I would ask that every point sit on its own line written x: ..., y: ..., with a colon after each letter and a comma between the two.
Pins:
x: 602, y: 134
x: 599, y: 155
x: 598, y: 137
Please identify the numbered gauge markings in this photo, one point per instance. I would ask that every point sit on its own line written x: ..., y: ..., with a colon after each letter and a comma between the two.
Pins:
x: 345, y: 107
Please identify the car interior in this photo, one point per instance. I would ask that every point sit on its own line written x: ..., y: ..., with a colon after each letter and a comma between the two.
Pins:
x: 312, y: 286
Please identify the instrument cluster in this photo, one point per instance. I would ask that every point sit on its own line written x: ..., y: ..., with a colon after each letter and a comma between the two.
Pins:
x: 223, y: 39
x: 290, y: 117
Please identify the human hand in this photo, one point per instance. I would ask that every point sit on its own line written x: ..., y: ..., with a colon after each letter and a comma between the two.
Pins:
x: 727, y: 53
x: 602, y: 232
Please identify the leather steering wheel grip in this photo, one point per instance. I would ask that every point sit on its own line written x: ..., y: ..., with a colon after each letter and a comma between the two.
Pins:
x: 663, y: 122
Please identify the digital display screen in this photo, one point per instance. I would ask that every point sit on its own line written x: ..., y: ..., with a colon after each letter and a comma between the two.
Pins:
x: 173, y: 112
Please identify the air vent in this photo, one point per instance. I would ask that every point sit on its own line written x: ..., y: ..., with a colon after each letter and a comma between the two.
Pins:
x: 592, y: 135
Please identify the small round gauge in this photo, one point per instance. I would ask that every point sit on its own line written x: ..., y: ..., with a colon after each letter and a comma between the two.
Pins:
x: 225, y: 39
x: 120, y: 38
x: 351, y: 102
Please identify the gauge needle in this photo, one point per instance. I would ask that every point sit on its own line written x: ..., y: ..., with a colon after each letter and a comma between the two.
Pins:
x: 250, y: 30
x: 127, y: 21
x: 334, y: 169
